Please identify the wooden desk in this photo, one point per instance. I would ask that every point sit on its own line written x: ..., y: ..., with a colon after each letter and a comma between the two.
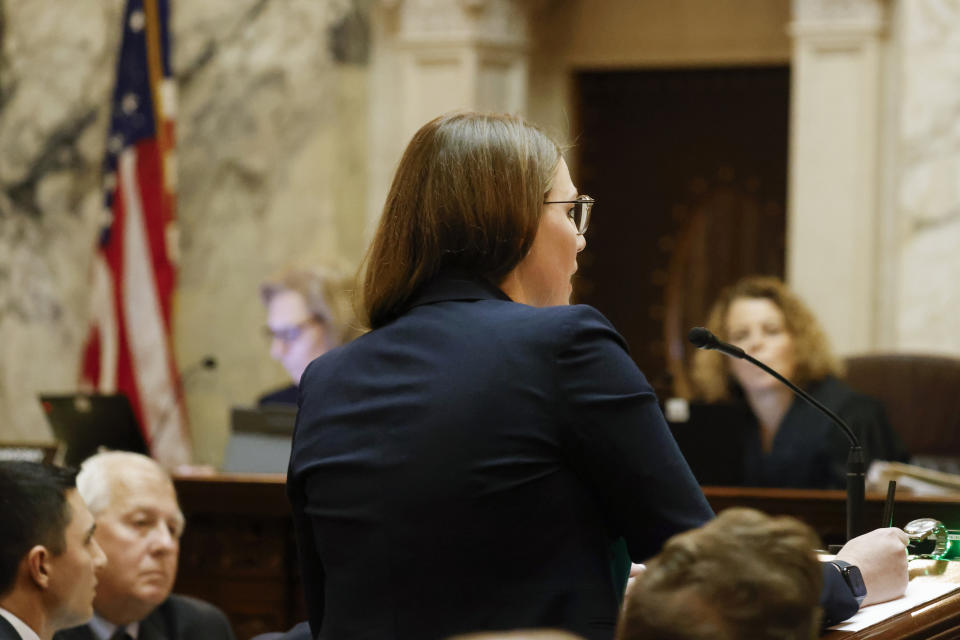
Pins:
x: 825, y: 512
x: 938, y: 618
x: 238, y: 550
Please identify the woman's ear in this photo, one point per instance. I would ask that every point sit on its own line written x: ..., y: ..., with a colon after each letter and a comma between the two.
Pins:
x: 38, y: 565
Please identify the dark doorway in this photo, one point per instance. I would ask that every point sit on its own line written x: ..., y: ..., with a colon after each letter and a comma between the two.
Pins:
x: 689, y: 169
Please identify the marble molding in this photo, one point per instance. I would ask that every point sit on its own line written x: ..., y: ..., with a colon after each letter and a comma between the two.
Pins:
x: 502, y: 22
x: 271, y: 130
x: 839, y: 15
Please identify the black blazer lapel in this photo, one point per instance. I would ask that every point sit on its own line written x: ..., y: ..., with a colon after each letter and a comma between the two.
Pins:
x: 152, y: 628
x: 7, y: 632
x: 83, y: 632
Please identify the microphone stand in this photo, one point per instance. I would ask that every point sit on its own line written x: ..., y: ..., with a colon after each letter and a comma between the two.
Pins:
x: 703, y: 339
x: 855, y: 463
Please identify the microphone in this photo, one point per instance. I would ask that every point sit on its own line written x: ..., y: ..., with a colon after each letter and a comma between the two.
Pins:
x: 208, y: 362
x: 704, y: 339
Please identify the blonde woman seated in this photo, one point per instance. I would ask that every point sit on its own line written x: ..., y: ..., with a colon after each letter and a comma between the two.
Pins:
x: 786, y: 442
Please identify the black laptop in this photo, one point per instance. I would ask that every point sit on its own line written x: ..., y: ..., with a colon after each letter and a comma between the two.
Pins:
x: 711, y: 438
x: 83, y: 423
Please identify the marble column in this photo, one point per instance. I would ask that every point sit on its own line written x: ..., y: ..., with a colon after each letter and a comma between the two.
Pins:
x: 838, y: 106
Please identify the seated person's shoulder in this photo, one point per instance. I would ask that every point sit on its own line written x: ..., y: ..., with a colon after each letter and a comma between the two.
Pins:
x: 177, y: 617
x: 80, y: 632
x: 286, y: 395
x: 837, y: 394
x: 195, y: 619
x: 866, y: 416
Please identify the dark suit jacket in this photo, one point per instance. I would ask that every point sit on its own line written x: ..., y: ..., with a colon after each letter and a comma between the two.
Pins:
x: 467, y: 466
x: 7, y: 632
x: 177, y: 618
x: 836, y: 599
x: 300, y: 631
x: 287, y: 395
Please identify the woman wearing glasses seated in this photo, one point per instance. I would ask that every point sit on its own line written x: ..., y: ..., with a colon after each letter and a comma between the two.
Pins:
x: 786, y: 442
x: 467, y: 464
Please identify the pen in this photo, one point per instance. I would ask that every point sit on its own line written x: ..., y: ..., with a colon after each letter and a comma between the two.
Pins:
x: 888, y: 505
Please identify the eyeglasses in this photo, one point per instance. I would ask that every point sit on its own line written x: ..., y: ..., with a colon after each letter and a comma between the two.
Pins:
x: 579, y: 212
x: 288, y: 334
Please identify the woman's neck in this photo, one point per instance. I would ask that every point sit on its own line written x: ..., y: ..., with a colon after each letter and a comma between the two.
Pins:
x: 769, y: 406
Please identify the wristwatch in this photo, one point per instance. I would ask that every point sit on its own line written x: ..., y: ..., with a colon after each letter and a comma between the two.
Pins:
x: 853, y: 578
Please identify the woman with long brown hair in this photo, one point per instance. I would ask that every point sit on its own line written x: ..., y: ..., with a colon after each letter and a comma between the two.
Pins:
x: 467, y: 464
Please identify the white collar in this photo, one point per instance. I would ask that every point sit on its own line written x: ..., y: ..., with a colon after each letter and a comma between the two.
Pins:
x: 19, y: 625
x: 103, y: 628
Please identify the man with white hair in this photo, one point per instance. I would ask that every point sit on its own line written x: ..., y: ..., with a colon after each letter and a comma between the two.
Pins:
x: 139, y: 524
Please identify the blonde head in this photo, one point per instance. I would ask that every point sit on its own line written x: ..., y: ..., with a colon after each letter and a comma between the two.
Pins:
x: 328, y: 296
x: 742, y: 575
x: 814, y: 360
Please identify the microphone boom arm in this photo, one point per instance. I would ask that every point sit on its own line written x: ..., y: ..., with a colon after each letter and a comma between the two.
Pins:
x: 851, y: 436
x: 703, y: 339
x: 856, y: 489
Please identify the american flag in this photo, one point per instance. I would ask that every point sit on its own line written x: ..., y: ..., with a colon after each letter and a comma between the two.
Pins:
x: 129, y: 348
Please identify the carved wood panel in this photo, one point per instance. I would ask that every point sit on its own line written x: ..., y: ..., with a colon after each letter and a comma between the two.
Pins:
x: 689, y: 171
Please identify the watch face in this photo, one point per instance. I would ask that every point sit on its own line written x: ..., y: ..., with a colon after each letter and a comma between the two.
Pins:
x: 855, y: 581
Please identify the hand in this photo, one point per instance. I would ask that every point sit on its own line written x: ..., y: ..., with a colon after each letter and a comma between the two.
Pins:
x: 636, y: 570
x: 881, y: 556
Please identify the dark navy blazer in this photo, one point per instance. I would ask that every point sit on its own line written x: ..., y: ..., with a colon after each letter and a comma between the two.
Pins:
x: 467, y: 466
x: 809, y: 451
x: 7, y: 632
x: 177, y: 618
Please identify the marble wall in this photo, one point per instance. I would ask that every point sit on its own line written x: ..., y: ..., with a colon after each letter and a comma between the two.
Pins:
x: 277, y: 163
x: 54, y: 85
x: 927, y: 196
x: 271, y: 167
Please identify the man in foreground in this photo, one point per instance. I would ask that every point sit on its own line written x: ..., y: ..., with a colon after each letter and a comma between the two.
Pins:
x: 745, y: 574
